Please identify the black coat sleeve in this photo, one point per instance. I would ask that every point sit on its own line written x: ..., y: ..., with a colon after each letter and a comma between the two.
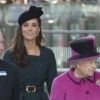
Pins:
x: 52, y: 70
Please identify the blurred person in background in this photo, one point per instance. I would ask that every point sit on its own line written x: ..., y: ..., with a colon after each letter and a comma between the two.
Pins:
x: 1, y: 44
x: 82, y: 81
x: 75, y: 18
x: 9, y: 78
x: 36, y: 63
x: 59, y: 22
x: 8, y: 1
x: 11, y: 13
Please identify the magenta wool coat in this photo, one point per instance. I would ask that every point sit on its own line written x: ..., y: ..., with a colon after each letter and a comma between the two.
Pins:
x: 67, y: 87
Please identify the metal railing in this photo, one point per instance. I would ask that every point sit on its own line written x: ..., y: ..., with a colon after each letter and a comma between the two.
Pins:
x: 71, y: 31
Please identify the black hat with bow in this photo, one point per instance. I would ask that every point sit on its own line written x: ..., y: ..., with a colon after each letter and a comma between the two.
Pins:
x: 33, y: 12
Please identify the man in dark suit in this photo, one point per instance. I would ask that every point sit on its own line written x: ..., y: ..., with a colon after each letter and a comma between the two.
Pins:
x: 9, y: 78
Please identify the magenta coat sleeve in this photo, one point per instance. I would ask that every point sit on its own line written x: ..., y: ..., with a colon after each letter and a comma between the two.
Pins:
x: 57, y: 90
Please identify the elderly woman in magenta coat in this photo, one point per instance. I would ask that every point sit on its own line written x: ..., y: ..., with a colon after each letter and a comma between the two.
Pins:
x: 82, y: 81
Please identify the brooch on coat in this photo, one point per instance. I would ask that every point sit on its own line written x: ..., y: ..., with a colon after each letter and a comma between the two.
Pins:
x: 98, y: 82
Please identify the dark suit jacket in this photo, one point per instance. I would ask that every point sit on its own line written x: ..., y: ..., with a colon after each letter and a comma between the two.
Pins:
x: 9, y: 82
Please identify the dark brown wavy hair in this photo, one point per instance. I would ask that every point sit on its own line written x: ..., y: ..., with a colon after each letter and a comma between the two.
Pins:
x: 19, y: 51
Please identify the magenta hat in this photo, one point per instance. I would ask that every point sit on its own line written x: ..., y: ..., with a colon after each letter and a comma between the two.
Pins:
x: 82, y: 49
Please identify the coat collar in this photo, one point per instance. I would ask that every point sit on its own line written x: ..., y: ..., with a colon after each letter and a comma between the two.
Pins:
x: 80, y: 80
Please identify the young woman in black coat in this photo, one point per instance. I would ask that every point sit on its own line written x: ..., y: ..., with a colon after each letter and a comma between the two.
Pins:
x: 36, y: 63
